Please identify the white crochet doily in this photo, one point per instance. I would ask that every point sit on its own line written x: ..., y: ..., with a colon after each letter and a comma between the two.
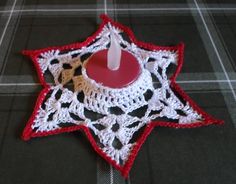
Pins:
x: 115, y: 117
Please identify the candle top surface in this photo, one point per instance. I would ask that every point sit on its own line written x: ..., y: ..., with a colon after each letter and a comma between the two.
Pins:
x: 127, y: 73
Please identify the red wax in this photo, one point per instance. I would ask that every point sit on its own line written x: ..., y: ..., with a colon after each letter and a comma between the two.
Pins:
x: 127, y: 73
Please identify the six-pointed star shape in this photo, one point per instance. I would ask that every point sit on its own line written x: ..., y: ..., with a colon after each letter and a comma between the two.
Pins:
x: 118, y: 121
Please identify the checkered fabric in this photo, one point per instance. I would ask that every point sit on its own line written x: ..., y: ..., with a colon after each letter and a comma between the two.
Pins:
x: 204, y: 155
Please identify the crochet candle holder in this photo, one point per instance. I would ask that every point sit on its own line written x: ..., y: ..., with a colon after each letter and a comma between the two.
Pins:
x: 115, y: 120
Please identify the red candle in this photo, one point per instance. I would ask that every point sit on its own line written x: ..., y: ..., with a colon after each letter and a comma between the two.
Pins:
x: 127, y: 72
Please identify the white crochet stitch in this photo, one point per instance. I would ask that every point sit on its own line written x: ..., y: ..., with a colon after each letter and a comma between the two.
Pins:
x: 113, y: 115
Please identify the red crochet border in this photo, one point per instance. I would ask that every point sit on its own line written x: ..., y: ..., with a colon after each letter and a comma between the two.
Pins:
x: 33, y: 54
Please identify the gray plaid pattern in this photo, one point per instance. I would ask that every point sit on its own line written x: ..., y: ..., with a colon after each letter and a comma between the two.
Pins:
x: 204, y: 155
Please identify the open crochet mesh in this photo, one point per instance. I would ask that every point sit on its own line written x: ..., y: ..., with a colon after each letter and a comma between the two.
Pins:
x: 116, y: 118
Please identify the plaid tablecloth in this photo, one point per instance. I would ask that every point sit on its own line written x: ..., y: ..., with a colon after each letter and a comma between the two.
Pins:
x: 204, y: 155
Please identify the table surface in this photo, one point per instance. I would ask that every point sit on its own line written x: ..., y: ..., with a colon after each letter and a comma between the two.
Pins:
x: 184, y: 156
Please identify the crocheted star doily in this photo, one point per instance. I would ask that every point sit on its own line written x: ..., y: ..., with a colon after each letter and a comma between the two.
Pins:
x: 116, y: 121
